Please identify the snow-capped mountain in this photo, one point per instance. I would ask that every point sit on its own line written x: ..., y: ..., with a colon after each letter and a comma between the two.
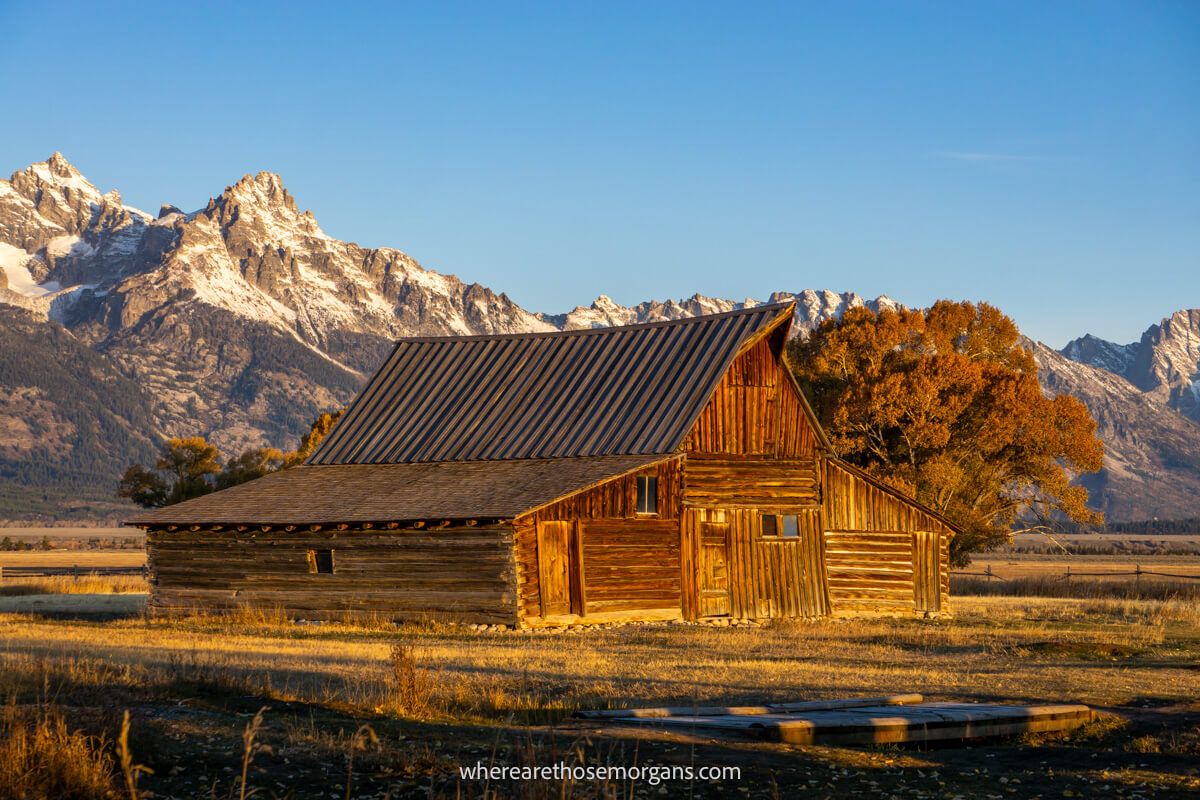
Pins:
x: 243, y: 319
x: 1151, y: 451
x: 1164, y: 364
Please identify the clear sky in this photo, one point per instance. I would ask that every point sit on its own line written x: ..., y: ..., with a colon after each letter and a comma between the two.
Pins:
x: 1042, y: 156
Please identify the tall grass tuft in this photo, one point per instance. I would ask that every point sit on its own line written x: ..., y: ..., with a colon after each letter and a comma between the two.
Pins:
x: 42, y: 759
x: 411, y: 687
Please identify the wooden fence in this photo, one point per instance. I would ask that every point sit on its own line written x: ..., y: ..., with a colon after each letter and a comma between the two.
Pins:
x: 1137, y: 572
x: 73, y: 571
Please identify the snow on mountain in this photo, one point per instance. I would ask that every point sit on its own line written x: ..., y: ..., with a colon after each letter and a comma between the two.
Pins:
x: 1151, y: 451
x: 1164, y: 363
x: 812, y: 308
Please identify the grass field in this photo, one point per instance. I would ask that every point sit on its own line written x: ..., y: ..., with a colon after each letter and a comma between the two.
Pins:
x: 438, y: 697
x: 72, y: 533
x: 84, y: 559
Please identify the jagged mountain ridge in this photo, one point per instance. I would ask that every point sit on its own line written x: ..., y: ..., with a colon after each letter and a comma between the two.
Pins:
x: 1164, y: 363
x: 243, y: 319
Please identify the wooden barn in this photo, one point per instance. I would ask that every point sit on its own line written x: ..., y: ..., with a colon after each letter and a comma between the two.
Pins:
x: 653, y: 471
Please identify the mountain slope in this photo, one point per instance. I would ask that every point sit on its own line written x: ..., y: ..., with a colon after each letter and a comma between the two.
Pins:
x: 1152, y: 452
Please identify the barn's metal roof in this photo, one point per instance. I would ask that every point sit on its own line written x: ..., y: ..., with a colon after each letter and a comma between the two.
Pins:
x: 632, y: 390
x: 391, y: 492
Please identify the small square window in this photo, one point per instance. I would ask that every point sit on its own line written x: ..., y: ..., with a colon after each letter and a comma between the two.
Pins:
x: 647, y: 494
x: 320, y: 562
x: 770, y: 525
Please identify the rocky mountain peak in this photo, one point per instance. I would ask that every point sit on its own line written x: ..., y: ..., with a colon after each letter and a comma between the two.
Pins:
x: 1097, y: 352
x: 58, y: 192
x: 59, y: 165
x: 1164, y: 363
x: 265, y: 189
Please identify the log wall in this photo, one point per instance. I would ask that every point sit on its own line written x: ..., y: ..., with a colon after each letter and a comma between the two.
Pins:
x: 883, y: 554
x: 762, y: 483
x: 461, y: 573
x: 630, y: 565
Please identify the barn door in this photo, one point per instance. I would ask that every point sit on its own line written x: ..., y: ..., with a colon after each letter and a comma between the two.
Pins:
x: 714, y: 565
x: 927, y: 595
x: 554, y: 566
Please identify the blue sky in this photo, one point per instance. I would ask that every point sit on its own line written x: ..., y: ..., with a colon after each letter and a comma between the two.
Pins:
x: 1044, y: 157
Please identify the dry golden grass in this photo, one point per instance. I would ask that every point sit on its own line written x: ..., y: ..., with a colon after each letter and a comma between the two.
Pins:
x: 41, y: 758
x: 84, y: 559
x: 1097, y: 652
x: 66, y: 584
x: 433, y: 692
x: 1106, y: 567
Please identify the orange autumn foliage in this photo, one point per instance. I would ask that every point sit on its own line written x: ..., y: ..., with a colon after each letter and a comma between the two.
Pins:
x: 945, y: 405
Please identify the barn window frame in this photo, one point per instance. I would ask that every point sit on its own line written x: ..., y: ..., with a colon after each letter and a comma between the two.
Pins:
x: 646, y: 495
x: 320, y: 561
x: 779, y: 527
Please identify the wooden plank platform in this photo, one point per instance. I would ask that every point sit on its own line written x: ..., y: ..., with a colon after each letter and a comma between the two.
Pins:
x: 774, y: 708
x: 862, y: 721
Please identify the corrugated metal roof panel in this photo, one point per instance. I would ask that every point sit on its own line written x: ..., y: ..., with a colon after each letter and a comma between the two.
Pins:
x: 596, y: 392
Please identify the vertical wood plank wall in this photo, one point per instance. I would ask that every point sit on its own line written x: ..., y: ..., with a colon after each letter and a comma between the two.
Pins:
x: 755, y: 411
x: 883, y: 555
x: 401, y: 574
x: 752, y: 451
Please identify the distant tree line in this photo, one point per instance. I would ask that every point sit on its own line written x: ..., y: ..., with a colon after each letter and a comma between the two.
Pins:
x: 189, y: 467
x: 1147, y: 527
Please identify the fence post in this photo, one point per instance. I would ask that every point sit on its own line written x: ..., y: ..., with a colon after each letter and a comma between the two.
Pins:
x: 1068, y: 573
x: 75, y: 572
x: 1137, y: 575
x: 989, y: 573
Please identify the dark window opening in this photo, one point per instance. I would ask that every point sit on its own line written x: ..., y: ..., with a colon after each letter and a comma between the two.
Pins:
x: 770, y: 525
x: 320, y: 562
x: 647, y: 494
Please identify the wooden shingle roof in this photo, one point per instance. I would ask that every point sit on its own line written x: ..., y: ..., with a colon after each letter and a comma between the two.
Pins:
x: 356, y: 493
x: 632, y: 390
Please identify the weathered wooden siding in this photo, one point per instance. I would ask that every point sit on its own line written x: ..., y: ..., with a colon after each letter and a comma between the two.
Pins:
x: 870, y: 570
x: 755, y: 410
x: 617, y: 498
x: 883, y: 554
x: 459, y: 573
x: 630, y: 564
x: 609, y: 535
x: 762, y: 483
x: 854, y: 504
x: 774, y: 577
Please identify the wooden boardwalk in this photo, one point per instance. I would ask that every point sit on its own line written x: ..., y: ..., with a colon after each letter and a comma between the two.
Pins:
x: 875, y: 720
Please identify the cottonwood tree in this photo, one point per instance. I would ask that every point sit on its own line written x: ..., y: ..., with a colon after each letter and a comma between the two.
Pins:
x: 190, y: 467
x: 185, y: 468
x: 945, y: 405
x: 321, y: 427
